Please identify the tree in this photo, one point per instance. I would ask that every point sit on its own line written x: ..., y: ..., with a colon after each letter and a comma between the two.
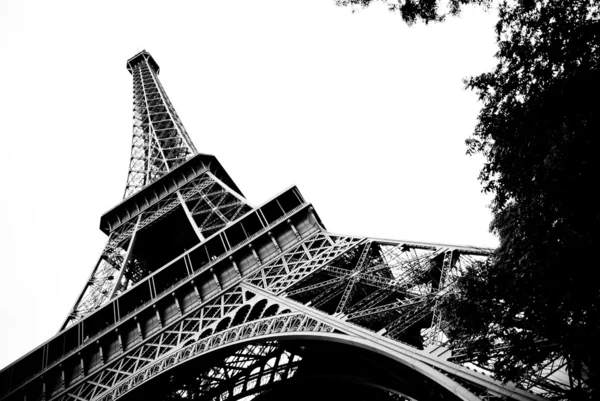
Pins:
x: 539, y: 130
x: 412, y: 11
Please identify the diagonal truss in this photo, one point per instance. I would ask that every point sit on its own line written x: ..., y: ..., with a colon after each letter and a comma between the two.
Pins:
x: 264, y: 301
x: 208, y: 202
x: 397, y: 291
x: 200, y: 295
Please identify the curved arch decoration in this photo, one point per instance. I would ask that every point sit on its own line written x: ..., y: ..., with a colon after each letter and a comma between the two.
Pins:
x: 290, y: 326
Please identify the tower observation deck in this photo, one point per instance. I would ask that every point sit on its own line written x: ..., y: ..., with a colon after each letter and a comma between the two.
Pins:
x: 201, y: 295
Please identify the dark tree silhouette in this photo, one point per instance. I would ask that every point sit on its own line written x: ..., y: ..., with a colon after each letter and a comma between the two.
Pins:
x: 539, y: 131
x: 538, y: 295
x: 413, y: 11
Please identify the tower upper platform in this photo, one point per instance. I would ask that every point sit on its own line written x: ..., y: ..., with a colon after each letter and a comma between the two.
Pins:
x: 139, y: 57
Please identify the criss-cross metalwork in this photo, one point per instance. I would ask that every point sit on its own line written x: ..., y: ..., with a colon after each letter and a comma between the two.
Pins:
x: 160, y: 142
x: 199, y: 295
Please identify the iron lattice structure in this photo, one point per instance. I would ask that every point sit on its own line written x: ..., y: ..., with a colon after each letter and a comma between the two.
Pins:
x: 199, y: 295
x: 160, y: 142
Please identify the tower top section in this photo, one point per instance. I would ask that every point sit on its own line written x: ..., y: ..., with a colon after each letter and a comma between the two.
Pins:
x: 143, y: 55
x: 160, y: 142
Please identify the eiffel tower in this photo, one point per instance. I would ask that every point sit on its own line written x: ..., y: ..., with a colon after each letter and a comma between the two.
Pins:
x: 201, y: 295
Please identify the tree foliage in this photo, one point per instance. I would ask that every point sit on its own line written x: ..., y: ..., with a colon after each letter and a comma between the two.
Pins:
x: 539, y: 132
x: 413, y: 11
x: 538, y: 296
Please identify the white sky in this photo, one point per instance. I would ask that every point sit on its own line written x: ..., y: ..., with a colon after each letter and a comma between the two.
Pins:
x: 366, y: 115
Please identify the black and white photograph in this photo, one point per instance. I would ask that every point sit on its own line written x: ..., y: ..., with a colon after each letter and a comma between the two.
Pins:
x: 362, y: 200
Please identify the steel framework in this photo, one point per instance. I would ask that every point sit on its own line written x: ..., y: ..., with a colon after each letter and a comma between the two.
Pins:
x: 200, y: 295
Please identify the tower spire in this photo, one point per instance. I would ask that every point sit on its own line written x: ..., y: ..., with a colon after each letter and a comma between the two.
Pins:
x: 200, y: 295
x: 160, y: 141
x: 168, y: 183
